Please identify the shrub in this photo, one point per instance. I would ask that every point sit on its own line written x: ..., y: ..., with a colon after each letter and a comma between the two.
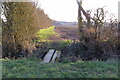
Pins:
x: 92, y: 51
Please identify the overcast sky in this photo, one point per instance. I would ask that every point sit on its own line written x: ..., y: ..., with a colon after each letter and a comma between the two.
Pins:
x: 66, y: 10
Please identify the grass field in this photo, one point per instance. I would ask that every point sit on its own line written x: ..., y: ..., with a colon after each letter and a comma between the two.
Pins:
x: 44, y: 34
x: 34, y: 68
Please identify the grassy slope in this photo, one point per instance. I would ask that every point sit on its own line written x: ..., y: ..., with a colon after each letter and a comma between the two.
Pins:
x: 44, y: 34
x: 35, y: 69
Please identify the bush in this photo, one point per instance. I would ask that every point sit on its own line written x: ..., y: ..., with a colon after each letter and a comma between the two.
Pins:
x: 92, y: 51
x: 73, y: 52
x: 42, y: 49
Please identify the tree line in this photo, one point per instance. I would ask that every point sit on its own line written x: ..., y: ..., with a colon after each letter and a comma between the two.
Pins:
x: 23, y: 19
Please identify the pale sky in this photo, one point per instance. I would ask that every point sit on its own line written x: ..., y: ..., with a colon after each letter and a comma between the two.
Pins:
x: 67, y: 10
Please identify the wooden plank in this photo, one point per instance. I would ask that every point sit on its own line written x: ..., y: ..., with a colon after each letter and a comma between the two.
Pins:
x: 54, y: 57
x: 59, y: 53
x: 48, y: 56
x: 58, y: 56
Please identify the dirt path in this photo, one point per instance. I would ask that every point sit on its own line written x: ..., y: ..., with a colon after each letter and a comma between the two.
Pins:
x: 65, y: 32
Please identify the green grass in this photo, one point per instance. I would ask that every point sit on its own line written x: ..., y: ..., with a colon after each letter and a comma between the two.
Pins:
x: 58, y: 45
x: 44, y: 34
x: 33, y: 68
